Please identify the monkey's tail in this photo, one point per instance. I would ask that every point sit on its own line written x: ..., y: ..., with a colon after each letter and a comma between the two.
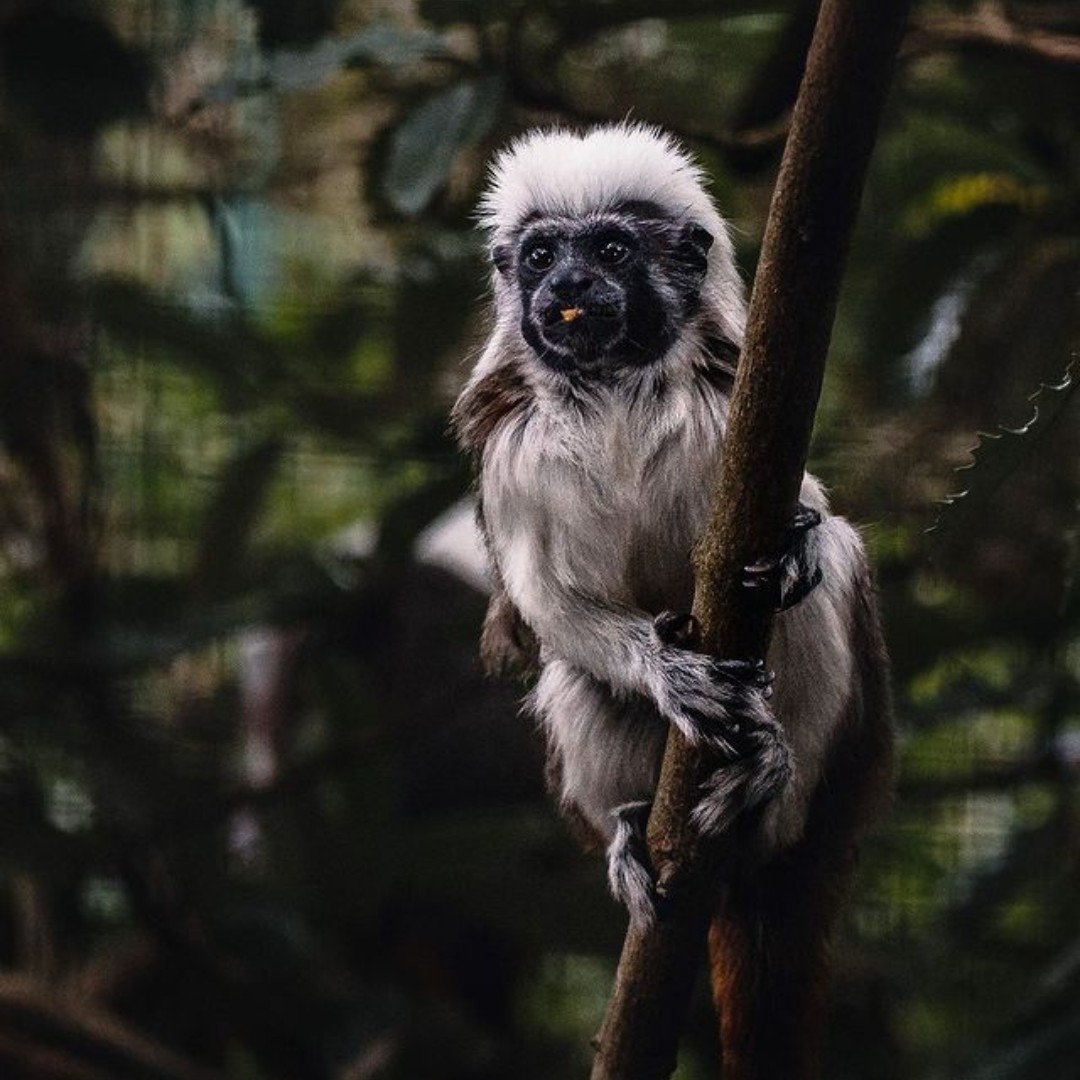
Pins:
x: 768, y: 959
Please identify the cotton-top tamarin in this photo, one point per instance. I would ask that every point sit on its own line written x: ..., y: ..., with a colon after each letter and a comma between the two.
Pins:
x: 595, y: 416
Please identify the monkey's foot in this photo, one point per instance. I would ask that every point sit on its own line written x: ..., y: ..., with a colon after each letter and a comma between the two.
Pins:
x: 757, y: 775
x: 793, y: 574
x: 678, y: 628
x: 630, y: 877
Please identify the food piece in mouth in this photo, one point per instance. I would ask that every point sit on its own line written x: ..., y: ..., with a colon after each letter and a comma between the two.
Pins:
x: 570, y: 314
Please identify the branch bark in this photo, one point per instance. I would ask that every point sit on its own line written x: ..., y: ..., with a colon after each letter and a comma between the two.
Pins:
x: 774, y: 399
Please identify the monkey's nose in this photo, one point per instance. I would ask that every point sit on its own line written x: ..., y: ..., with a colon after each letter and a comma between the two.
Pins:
x: 571, y: 285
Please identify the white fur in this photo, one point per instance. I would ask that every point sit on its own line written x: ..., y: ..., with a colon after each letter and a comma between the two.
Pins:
x: 567, y: 497
x: 558, y: 172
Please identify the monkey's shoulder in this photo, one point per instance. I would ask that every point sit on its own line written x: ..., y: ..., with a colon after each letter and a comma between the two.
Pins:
x: 488, y: 402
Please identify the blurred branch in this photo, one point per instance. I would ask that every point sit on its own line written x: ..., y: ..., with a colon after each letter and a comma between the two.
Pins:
x: 46, y: 1036
x: 991, y: 28
x: 35, y: 934
x: 767, y: 102
x: 1045, y: 767
x: 1047, y: 14
x: 584, y: 16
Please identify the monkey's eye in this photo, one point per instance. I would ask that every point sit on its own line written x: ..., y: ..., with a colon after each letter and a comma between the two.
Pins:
x: 539, y: 257
x: 613, y: 252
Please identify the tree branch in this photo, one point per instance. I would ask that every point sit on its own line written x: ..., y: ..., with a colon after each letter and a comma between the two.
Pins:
x: 990, y: 29
x: 773, y: 404
x: 46, y: 1036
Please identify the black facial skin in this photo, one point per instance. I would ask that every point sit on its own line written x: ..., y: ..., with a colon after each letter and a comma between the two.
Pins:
x: 609, y: 291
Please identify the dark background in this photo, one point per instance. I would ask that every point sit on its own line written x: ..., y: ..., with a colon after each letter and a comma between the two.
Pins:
x: 260, y: 816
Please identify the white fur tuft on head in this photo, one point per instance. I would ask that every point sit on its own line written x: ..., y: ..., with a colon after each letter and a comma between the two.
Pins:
x: 561, y: 172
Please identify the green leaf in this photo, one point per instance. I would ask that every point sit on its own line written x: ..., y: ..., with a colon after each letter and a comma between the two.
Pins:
x: 312, y: 66
x: 424, y: 146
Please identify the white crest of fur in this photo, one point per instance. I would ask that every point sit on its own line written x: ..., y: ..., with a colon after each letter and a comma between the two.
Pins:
x: 561, y: 172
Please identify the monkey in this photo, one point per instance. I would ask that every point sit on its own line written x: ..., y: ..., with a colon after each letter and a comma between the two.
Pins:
x: 595, y: 417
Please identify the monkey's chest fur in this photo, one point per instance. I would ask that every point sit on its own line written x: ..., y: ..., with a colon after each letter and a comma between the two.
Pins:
x: 607, y: 500
x: 601, y: 504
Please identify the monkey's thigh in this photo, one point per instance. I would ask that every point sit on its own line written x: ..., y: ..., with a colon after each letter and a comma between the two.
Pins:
x: 606, y: 751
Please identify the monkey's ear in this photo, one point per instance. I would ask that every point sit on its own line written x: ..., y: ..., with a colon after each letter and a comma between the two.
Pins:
x: 693, y: 248
x: 503, y: 259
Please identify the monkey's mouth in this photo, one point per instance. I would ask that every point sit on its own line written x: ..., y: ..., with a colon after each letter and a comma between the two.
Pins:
x: 577, y: 335
x: 573, y: 316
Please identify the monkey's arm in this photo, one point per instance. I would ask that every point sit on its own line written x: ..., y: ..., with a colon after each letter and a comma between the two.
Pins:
x: 708, y: 699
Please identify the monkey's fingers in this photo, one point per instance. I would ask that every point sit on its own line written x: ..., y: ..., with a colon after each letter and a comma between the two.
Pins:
x: 680, y: 629
x: 806, y: 517
x: 752, y: 674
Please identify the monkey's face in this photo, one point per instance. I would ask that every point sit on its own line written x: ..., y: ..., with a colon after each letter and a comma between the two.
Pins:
x: 604, y: 292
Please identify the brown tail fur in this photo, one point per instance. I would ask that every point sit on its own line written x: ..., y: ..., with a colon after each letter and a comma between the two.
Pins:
x: 767, y: 950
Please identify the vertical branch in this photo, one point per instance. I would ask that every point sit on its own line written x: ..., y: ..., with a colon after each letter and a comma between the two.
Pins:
x: 773, y: 404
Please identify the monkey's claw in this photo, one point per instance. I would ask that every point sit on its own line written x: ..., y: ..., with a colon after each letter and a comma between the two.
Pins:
x: 793, y: 574
x: 805, y: 517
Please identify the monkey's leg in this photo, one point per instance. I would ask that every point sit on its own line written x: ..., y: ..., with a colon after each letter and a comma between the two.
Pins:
x: 793, y: 574
x: 606, y: 754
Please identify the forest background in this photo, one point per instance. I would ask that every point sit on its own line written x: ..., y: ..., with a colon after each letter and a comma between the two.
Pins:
x: 261, y: 817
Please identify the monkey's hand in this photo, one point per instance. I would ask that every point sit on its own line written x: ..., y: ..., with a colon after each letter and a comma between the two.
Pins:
x: 757, y: 764
x: 795, y: 572
x: 714, y: 703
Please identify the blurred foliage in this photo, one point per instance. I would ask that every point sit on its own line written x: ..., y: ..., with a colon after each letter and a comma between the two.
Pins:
x: 262, y: 818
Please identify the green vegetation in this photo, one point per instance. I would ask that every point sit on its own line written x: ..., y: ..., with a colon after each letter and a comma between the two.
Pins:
x: 262, y: 817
